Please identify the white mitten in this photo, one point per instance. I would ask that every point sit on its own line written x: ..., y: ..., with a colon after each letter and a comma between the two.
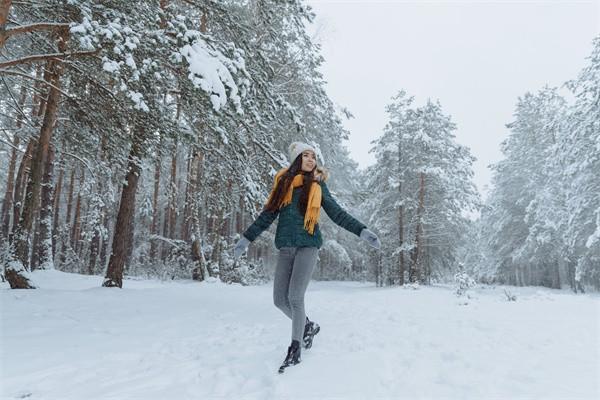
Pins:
x: 240, y: 247
x: 370, y: 238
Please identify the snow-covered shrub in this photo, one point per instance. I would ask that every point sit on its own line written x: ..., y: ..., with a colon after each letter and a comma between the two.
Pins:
x: 463, y: 282
x: 177, y: 262
x: 334, y: 262
x: 413, y: 286
x: 70, y: 261
x: 510, y: 296
x: 244, y: 272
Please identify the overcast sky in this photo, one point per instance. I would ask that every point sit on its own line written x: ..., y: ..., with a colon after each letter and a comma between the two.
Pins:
x: 476, y: 57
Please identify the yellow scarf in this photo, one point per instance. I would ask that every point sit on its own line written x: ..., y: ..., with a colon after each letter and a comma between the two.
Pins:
x: 311, y: 217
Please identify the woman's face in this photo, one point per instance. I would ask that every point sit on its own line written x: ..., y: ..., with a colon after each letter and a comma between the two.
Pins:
x: 309, y: 160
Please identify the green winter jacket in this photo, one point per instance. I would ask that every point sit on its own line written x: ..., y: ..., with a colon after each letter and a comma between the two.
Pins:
x: 290, y: 228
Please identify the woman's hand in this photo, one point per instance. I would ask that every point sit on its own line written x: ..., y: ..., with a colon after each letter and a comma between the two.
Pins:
x: 240, y: 247
x: 370, y: 238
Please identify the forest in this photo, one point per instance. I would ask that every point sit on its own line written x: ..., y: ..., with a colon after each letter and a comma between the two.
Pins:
x: 140, y: 139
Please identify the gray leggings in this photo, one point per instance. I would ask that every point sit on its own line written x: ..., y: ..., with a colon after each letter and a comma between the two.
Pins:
x: 295, y: 266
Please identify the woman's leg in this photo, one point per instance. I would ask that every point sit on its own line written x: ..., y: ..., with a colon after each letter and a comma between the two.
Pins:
x: 281, y: 282
x: 302, y: 269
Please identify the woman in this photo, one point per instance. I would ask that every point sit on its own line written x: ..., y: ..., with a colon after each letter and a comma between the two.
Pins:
x: 298, y: 194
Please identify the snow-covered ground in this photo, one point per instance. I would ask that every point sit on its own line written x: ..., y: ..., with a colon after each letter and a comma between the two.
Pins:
x: 72, y: 339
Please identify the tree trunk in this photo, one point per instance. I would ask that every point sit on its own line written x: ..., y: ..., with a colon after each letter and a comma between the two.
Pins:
x: 33, y: 262
x: 402, y: 266
x: 56, y: 208
x: 104, y: 247
x: 129, y: 256
x: 94, y: 246
x: 518, y: 279
x: 25, y: 167
x: 186, y: 205
x: 427, y: 261
x: 32, y: 198
x: 4, y: 9
x: 163, y: 5
x: 96, y: 232
x: 240, y: 215
x: 200, y: 272
x: 44, y: 248
x: 172, y: 193
x: 8, y: 197
x: 120, y: 243
x: 416, y: 256
x: 165, y: 232
x: 22, y: 176
x: 219, y: 224
x: 155, y: 212
x: 64, y: 234
x: 76, y: 228
x: 556, y: 270
x: 70, y: 198
x: 99, y: 243
x: 379, y: 269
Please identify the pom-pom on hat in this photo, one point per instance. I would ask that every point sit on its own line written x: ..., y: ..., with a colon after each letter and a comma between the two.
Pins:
x: 297, y: 148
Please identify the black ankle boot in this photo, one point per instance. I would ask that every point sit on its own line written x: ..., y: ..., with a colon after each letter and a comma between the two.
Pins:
x: 311, y: 328
x: 292, y: 357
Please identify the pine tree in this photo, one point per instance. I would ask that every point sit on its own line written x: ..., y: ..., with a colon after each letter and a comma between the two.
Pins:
x: 421, y: 189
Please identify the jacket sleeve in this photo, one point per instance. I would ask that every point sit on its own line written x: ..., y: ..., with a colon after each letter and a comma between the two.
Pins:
x: 264, y: 220
x: 338, y: 214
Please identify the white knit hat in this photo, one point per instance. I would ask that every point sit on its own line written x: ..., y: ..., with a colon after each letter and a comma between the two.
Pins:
x: 296, y: 148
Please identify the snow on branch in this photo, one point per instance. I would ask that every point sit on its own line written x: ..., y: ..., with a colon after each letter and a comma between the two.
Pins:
x: 213, y: 72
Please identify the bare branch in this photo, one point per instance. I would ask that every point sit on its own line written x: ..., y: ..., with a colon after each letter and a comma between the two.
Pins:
x: 82, y: 161
x: 5, y: 34
x: 9, y: 72
x: 44, y: 57
x: 12, y: 145
x: 64, y: 152
x: 16, y: 103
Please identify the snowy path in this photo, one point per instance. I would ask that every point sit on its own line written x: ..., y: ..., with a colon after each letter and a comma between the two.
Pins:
x: 72, y: 339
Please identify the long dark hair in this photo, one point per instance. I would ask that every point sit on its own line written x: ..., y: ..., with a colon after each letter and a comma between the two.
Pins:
x: 284, y: 182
